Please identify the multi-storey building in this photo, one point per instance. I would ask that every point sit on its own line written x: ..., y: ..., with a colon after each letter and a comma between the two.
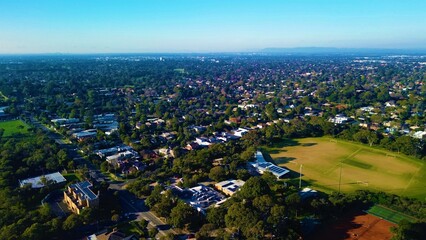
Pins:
x: 79, y: 196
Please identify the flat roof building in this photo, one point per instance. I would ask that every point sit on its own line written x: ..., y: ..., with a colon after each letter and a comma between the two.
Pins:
x: 261, y: 165
x: 39, y: 182
x: 203, y: 197
x: 86, y: 134
x: 229, y: 187
x: 79, y: 196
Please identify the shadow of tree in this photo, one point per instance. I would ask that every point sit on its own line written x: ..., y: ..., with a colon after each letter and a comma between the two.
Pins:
x: 276, y: 151
x: 341, y: 229
x: 309, y: 144
x: 285, y: 143
x: 283, y: 160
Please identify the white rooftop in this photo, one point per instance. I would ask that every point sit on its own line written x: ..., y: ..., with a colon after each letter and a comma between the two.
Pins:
x: 36, y: 181
x: 262, y: 165
x: 230, y: 185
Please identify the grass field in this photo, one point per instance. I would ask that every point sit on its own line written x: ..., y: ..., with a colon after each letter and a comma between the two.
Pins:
x: 130, y: 228
x: 361, y: 166
x: 73, y: 177
x: 389, y: 214
x: 14, y: 127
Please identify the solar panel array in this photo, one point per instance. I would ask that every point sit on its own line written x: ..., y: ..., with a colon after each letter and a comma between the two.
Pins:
x: 265, y: 164
x: 277, y: 169
x: 262, y: 165
x: 204, y: 197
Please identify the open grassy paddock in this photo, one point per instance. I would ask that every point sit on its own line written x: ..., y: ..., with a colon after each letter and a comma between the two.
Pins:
x: 361, y: 166
x: 14, y: 127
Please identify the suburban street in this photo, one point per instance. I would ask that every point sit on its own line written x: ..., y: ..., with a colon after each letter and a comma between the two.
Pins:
x: 131, y: 205
x: 49, y: 132
x: 72, y: 149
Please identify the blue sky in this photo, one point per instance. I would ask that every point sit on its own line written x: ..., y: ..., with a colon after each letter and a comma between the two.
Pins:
x: 108, y: 26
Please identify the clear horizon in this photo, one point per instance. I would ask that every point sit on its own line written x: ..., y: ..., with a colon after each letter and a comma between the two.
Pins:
x: 194, y: 26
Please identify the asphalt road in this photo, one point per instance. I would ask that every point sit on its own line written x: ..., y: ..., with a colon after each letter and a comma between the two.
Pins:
x: 72, y: 149
x: 50, y: 133
x: 130, y: 203
x: 133, y: 205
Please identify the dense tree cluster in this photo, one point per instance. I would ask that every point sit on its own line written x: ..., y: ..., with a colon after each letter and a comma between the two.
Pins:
x: 21, y: 158
x: 281, y: 97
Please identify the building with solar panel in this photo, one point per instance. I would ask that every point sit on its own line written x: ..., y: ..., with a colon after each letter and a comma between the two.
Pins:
x: 229, y: 187
x: 79, y: 196
x: 261, y: 166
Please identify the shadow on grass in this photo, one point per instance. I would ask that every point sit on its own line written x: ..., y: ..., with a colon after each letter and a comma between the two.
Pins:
x: 280, y: 143
x: 276, y: 151
x: 283, y: 160
x: 72, y: 177
x: 294, y: 181
x: 309, y: 144
x: 277, y: 161
x: 293, y: 176
x: 267, y: 156
x: 357, y: 164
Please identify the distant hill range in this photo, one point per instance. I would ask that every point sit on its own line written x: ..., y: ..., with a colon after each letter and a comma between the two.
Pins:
x: 342, y: 51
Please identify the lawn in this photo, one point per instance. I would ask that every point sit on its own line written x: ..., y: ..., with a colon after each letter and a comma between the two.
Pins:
x: 73, y: 177
x: 389, y: 214
x: 130, y: 228
x: 361, y: 166
x: 14, y: 127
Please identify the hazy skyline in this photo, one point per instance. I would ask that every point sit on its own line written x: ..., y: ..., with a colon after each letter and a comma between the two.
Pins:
x: 113, y: 26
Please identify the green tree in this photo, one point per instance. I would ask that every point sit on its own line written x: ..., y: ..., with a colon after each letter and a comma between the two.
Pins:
x: 71, y: 222
x: 409, y: 231
x: 406, y: 145
x: 62, y: 157
x: 240, y: 217
x: 35, y: 231
x: 248, y: 154
x: 217, y: 173
x: 155, y: 196
x: 263, y: 203
x: 243, y: 174
x: 205, y: 230
x: 115, y: 217
x: 165, y: 205
x: 184, y: 215
x: 87, y: 215
x: 152, y: 232
x: 216, y: 216
x: 254, y: 187
x: 104, y: 166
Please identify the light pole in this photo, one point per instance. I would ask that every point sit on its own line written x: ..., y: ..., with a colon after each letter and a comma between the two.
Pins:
x: 340, y: 176
x: 300, y: 176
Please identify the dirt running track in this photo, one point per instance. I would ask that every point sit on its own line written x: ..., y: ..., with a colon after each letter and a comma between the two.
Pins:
x: 360, y: 226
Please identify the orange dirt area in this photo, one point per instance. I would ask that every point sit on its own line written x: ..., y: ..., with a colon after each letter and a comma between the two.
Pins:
x: 362, y: 226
